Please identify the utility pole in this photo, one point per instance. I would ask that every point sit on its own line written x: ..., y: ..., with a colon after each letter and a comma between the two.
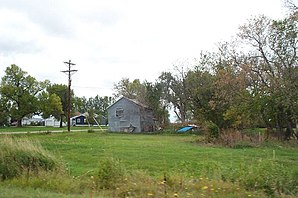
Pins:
x: 69, y: 72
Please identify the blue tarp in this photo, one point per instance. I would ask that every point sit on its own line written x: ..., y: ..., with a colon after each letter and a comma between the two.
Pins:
x: 186, y: 128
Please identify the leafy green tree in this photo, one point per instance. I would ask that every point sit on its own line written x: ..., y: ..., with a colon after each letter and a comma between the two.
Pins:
x: 95, y: 107
x: 273, y: 61
x: 175, y: 92
x: 60, y: 90
x: 4, y: 114
x: 232, y: 98
x: 130, y: 89
x: 80, y: 104
x: 200, y: 91
x: 98, y: 105
x: 156, y: 103
x: 50, y: 105
x: 19, y: 91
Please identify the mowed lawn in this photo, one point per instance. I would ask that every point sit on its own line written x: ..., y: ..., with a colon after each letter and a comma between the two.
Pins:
x: 159, y: 154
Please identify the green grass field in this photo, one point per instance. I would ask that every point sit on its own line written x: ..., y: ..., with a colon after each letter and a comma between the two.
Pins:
x: 268, y: 169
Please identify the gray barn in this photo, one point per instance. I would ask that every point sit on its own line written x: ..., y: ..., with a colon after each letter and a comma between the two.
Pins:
x: 127, y: 115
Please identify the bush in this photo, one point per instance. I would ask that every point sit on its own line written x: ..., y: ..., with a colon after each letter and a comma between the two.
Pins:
x: 19, y: 157
x: 265, y: 175
x: 242, y: 145
x: 211, y: 130
x: 237, y: 139
x: 91, y: 131
x: 57, y: 181
x: 109, y: 174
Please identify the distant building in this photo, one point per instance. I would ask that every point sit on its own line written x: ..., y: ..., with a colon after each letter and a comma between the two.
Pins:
x: 79, y: 120
x: 39, y: 121
x: 53, y: 122
x: 33, y: 121
x: 127, y: 115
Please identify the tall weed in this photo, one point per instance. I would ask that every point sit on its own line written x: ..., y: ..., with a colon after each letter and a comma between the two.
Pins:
x: 266, y: 175
x: 23, y: 157
x: 110, y: 173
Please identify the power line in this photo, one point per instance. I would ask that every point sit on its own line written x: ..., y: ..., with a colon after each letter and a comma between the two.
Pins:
x: 69, y: 72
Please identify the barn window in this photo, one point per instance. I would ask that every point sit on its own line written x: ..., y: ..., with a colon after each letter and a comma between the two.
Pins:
x: 119, y: 112
x: 78, y: 120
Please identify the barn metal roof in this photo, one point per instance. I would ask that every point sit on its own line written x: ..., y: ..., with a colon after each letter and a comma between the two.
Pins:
x: 131, y: 100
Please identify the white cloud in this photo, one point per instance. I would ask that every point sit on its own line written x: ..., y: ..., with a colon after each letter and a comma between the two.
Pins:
x: 112, y: 39
x: 17, y: 34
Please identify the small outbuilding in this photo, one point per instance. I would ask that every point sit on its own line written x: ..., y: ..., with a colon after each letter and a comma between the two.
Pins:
x: 53, y: 122
x: 79, y: 120
x: 128, y: 115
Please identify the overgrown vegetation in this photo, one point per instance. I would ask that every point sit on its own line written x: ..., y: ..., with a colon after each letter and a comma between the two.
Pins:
x: 110, y: 174
x: 24, y: 158
x: 128, y: 165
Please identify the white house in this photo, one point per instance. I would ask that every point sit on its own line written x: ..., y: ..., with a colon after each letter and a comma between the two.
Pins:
x: 53, y: 122
x: 35, y: 120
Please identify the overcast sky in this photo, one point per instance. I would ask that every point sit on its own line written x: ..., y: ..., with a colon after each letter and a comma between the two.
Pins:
x: 112, y: 39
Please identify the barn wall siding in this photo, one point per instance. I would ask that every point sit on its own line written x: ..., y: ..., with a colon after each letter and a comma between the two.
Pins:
x: 130, y: 116
x: 133, y: 116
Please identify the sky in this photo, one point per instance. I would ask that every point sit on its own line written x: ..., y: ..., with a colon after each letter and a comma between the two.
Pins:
x: 113, y: 39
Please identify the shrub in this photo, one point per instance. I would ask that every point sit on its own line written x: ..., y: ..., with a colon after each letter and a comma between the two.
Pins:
x: 19, y: 157
x: 91, y: 131
x: 211, y: 130
x: 51, y: 181
x: 242, y: 145
x: 109, y: 174
x: 266, y: 175
x: 236, y: 139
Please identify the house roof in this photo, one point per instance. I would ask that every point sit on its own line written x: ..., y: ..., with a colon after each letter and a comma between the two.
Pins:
x: 130, y: 100
x: 84, y: 114
x: 74, y: 117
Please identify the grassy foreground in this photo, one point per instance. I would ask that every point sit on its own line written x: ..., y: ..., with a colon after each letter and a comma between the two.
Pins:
x: 158, y: 166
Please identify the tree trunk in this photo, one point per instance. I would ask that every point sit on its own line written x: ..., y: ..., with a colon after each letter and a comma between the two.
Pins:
x: 179, y: 116
x: 289, y: 131
x: 19, y: 123
x: 61, y: 121
x: 279, y: 130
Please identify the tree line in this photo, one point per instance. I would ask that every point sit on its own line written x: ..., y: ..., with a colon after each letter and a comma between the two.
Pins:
x: 251, y: 81
x: 21, y: 95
